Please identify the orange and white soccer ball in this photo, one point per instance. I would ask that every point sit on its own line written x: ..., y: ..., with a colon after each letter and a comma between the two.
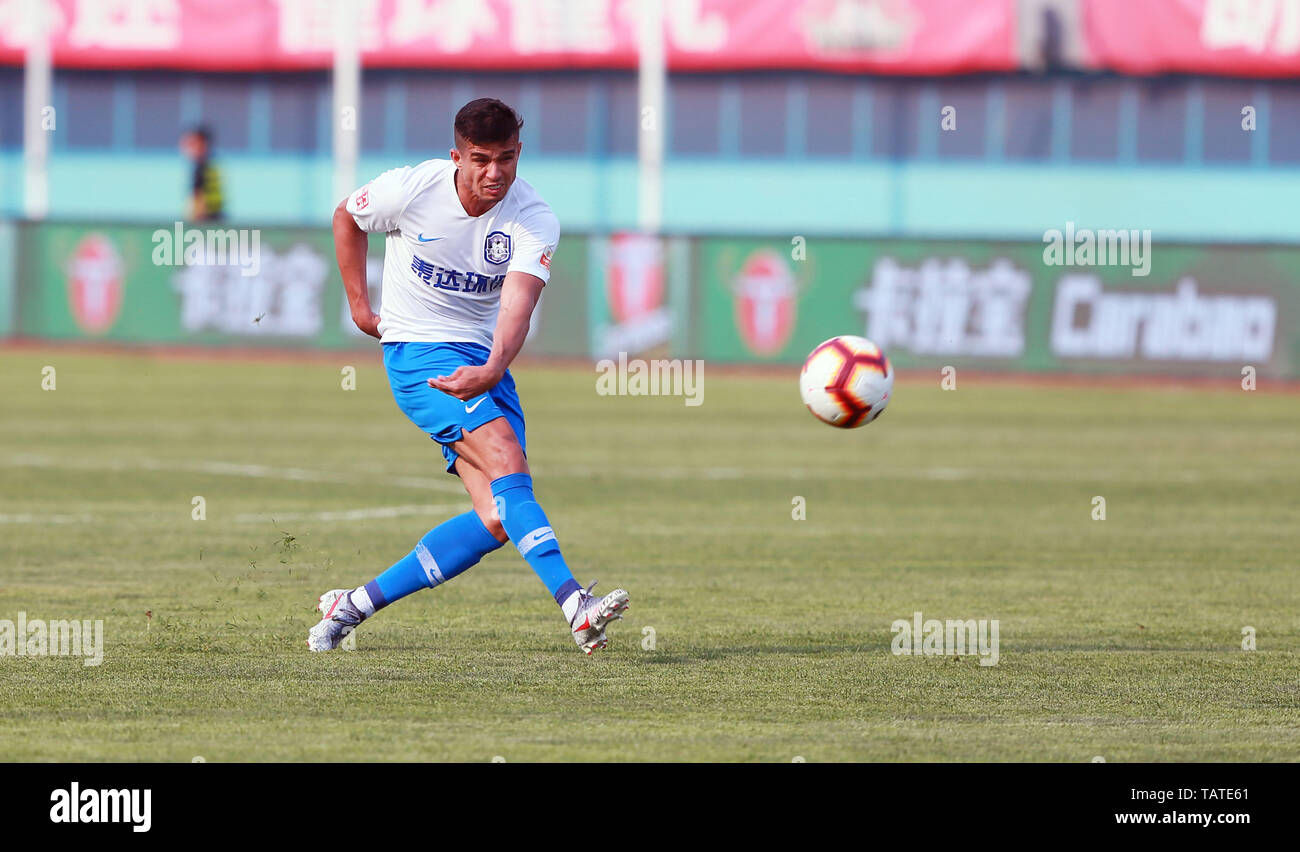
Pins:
x: 846, y: 382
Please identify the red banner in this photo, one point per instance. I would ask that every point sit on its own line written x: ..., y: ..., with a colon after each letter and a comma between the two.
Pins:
x: 1238, y: 38
x: 886, y: 36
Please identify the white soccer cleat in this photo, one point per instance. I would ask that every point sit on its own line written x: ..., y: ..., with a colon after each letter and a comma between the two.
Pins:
x: 339, y: 618
x: 594, y: 614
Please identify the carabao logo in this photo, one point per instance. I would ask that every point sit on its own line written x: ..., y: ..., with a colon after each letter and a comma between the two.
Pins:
x: 765, y: 294
x: 95, y: 284
x: 636, y: 276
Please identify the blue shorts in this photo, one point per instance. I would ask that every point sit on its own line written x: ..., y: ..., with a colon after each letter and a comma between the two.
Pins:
x: 441, y: 415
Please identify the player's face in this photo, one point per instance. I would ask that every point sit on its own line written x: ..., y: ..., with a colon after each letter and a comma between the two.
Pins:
x: 487, y: 170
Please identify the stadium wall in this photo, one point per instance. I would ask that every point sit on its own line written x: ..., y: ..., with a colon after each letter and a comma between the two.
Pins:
x: 755, y: 153
x: 826, y: 199
x: 1163, y: 308
x: 881, y: 199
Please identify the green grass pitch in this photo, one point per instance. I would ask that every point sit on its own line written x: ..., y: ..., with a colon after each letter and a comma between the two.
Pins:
x: 1119, y: 638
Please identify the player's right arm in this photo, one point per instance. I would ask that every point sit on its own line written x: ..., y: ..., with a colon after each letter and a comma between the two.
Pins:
x: 350, y: 245
x: 374, y: 207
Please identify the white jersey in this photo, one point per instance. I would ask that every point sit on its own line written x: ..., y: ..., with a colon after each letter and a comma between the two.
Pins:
x: 443, y: 269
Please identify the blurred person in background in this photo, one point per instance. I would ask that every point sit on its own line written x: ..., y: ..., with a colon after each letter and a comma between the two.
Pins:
x: 206, y: 201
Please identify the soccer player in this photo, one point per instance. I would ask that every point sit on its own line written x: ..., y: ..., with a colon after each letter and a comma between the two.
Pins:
x: 467, y: 252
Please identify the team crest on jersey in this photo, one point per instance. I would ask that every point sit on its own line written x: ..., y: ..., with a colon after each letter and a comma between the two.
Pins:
x: 497, y: 247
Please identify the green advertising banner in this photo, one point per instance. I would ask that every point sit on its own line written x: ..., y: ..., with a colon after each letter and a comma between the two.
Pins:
x: 1079, y: 302
x: 8, y: 297
x: 1028, y: 306
x: 266, y: 286
x: 559, y: 322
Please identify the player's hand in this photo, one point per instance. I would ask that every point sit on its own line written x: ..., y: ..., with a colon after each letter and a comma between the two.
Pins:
x: 467, y: 382
x: 368, y: 324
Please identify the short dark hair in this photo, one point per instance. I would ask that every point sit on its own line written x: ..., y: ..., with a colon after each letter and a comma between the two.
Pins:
x: 487, y: 121
x: 203, y: 132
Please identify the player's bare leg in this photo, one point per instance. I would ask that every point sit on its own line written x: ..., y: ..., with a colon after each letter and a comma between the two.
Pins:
x: 492, y: 453
x: 491, y: 449
x: 479, y: 486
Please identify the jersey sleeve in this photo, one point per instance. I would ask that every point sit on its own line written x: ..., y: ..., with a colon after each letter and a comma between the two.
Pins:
x: 536, y: 237
x: 377, y: 205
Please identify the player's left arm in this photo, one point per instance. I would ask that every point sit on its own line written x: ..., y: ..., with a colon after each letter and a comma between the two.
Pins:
x: 519, y: 296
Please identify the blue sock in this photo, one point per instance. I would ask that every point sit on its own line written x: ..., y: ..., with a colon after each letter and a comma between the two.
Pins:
x: 446, y: 551
x: 526, y: 524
